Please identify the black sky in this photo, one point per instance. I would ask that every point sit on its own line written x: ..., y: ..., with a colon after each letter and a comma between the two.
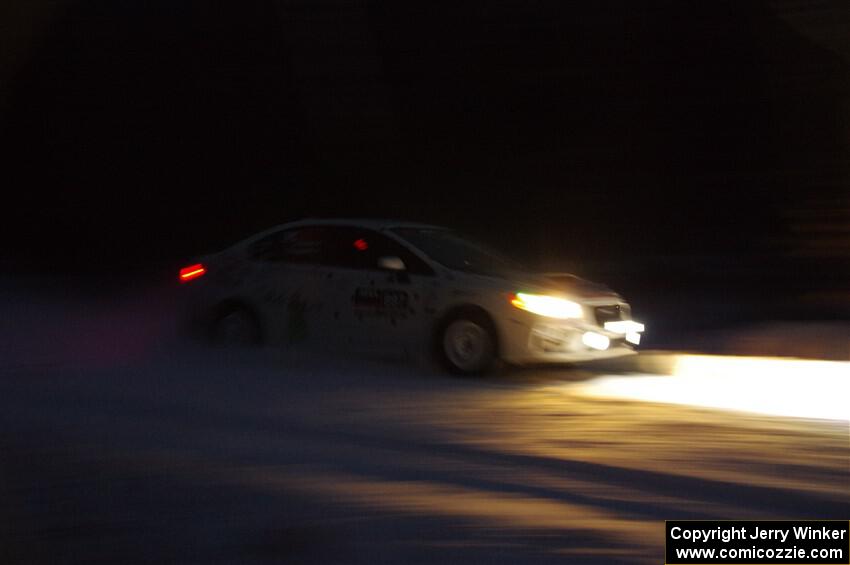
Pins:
x: 145, y: 132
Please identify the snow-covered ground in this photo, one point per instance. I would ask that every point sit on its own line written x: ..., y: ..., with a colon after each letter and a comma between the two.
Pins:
x: 121, y: 444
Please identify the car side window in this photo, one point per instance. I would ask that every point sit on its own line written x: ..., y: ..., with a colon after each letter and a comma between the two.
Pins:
x: 357, y: 248
x: 295, y: 245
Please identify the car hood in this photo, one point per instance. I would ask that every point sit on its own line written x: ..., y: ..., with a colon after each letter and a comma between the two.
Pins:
x: 560, y: 283
x: 571, y: 285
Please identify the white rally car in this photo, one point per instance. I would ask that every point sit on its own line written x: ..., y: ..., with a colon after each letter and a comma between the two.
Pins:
x: 371, y: 284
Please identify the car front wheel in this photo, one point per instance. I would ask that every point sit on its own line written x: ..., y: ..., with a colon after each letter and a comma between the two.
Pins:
x: 468, y: 345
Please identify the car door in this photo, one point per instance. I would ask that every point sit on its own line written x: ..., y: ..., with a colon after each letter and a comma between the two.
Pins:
x: 290, y: 289
x: 375, y: 307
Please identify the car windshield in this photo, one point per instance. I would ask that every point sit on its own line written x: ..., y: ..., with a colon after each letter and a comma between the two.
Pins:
x: 457, y: 252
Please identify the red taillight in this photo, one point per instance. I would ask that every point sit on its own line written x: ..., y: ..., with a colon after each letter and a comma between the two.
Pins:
x: 191, y: 272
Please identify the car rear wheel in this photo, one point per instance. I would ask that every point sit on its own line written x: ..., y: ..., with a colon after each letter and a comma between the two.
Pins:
x: 468, y: 345
x: 235, y: 327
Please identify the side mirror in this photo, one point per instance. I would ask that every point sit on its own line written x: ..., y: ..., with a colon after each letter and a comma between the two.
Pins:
x: 391, y: 263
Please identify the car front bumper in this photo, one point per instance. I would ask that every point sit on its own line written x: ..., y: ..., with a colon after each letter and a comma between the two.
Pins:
x: 540, y: 340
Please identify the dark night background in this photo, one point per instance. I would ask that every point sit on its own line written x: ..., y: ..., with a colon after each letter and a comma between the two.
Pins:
x: 667, y: 147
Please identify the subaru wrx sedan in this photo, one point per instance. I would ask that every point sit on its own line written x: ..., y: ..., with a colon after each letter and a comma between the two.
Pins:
x: 369, y: 285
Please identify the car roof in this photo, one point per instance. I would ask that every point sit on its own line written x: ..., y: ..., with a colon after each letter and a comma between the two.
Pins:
x: 368, y: 223
x: 372, y: 223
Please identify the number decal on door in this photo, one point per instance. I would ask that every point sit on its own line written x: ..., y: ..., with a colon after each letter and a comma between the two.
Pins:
x: 380, y: 302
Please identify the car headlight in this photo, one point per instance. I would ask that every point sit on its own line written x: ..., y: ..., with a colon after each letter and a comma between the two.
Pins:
x: 549, y: 306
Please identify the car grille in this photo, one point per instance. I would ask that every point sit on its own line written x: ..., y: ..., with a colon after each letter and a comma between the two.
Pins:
x: 608, y: 313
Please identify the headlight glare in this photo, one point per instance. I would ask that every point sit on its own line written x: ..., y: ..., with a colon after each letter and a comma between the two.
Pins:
x: 549, y: 306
